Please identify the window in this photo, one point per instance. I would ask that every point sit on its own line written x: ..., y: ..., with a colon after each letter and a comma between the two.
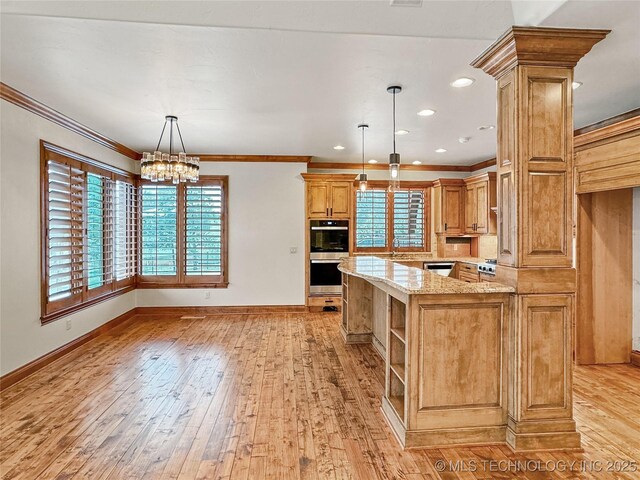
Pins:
x: 408, y: 218
x: 183, y: 234
x: 371, y: 218
x: 81, y: 228
x: 383, y: 217
x: 159, y: 230
x: 125, y: 230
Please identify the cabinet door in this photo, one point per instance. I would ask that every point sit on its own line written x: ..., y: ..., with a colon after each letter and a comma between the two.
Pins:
x: 482, y: 207
x: 452, y: 209
x: 340, y: 204
x: 470, y: 211
x: 318, y: 200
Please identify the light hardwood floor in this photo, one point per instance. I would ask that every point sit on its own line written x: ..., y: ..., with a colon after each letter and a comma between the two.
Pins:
x: 269, y: 396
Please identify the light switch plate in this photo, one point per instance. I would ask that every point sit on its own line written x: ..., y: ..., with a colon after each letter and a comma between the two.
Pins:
x: 293, y: 249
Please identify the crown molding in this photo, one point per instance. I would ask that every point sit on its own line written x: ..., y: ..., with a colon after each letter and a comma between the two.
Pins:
x: 385, y: 166
x: 328, y: 176
x: 480, y: 165
x: 210, y: 157
x: 419, y: 168
x: 603, y: 131
x: 32, y: 105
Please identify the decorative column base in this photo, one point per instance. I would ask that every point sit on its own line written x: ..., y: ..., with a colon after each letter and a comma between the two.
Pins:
x: 542, y: 435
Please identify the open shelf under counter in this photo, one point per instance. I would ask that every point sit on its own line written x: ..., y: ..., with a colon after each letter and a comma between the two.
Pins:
x: 399, y: 333
x: 398, y: 369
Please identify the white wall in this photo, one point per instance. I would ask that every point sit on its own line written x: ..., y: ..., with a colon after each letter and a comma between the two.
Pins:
x: 266, y: 219
x: 636, y: 268
x: 22, y: 338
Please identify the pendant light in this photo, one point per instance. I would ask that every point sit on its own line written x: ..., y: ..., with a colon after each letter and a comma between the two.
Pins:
x: 362, y: 178
x: 394, y: 158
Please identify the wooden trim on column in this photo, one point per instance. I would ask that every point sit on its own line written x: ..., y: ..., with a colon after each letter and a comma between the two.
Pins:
x: 20, y: 373
x: 32, y: 105
x: 542, y: 46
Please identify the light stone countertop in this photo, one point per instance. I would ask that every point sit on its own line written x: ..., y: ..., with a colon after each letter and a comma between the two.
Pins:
x: 414, y: 281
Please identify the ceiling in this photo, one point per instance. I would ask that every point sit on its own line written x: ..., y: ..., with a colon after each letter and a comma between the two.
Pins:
x: 295, y: 78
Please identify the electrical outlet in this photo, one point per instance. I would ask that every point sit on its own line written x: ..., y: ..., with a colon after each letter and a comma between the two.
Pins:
x: 68, y: 324
x: 293, y: 249
x: 207, y: 294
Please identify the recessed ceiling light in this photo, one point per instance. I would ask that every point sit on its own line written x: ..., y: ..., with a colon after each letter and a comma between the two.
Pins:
x: 464, y: 139
x: 338, y: 147
x: 373, y: 160
x: 462, y: 82
x: 486, y: 127
x: 402, y: 132
x: 426, y: 112
x: 405, y: 3
x: 575, y: 85
x: 441, y: 150
x: 417, y: 162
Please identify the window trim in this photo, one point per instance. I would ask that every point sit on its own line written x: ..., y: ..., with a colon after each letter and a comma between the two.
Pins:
x: 181, y: 280
x: 404, y: 185
x: 50, y: 311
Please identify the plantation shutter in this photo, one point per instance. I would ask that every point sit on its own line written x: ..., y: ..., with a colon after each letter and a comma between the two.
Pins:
x: 409, y: 218
x: 204, y: 230
x: 64, y: 242
x: 371, y: 219
x: 100, y: 231
x: 159, y: 246
x: 79, y: 236
x: 125, y: 226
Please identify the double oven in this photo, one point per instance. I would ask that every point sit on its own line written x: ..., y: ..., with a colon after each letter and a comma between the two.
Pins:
x: 328, y: 245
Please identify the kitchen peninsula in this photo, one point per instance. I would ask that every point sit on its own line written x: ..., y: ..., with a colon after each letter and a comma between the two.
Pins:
x: 445, y: 349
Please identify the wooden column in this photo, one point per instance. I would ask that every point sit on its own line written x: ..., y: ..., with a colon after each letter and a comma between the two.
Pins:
x: 534, y: 72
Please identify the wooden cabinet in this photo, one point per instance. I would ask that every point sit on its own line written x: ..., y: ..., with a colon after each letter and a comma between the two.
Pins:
x: 449, y: 206
x: 480, y: 197
x: 317, y: 199
x: 328, y: 196
x: 329, y: 199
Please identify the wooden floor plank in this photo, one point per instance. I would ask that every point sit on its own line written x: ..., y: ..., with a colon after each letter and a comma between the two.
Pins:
x: 268, y: 396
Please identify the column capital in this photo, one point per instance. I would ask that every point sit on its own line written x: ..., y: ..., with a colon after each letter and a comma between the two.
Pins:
x: 541, y: 46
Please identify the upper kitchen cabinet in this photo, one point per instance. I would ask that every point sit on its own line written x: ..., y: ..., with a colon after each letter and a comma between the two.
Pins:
x: 480, y: 198
x: 449, y: 206
x: 328, y: 196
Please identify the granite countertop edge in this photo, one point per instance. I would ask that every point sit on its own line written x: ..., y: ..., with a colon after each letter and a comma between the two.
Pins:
x: 415, y: 281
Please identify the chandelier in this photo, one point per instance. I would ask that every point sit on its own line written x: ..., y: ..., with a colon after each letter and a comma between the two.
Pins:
x: 177, y: 167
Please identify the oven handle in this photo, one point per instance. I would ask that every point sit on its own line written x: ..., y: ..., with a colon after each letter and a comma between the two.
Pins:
x: 329, y: 228
x: 327, y: 261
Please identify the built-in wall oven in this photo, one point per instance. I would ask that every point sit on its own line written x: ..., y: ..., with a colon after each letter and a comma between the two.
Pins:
x: 328, y: 245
